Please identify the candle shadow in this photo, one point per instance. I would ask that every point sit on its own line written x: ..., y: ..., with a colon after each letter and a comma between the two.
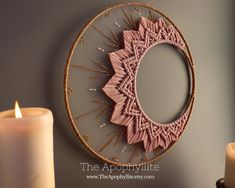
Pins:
x: 233, y: 68
x: 231, y: 81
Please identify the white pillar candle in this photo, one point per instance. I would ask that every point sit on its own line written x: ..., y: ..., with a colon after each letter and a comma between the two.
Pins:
x: 26, y: 149
x: 229, y: 178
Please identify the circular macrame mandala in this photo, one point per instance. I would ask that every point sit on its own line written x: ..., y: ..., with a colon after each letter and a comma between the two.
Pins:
x: 122, y: 86
x: 101, y: 90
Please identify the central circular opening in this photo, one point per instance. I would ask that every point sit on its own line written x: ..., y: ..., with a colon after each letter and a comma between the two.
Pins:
x: 163, y: 83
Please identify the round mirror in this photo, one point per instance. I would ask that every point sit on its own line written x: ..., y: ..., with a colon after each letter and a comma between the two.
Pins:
x: 165, y: 71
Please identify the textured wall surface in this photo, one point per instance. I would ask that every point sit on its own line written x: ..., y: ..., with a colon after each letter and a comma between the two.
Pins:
x: 35, y: 39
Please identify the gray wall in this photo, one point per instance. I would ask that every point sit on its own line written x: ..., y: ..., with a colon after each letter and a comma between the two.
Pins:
x: 35, y: 38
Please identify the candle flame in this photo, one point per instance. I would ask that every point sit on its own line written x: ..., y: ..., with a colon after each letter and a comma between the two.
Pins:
x: 18, y: 113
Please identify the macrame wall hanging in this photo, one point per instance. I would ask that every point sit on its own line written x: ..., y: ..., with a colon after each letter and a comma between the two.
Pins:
x: 101, y: 89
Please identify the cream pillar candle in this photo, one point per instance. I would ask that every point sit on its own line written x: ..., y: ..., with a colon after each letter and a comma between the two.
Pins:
x: 229, y: 178
x: 26, y: 149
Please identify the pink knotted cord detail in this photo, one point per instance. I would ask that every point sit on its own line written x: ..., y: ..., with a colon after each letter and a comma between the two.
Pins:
x: 121, y: 88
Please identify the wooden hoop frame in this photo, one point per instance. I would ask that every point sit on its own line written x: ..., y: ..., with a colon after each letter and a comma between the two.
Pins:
x: 66, y: 72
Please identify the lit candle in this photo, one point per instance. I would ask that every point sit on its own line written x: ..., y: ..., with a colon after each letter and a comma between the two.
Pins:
x: 229, y: 178
x: 26, y: 148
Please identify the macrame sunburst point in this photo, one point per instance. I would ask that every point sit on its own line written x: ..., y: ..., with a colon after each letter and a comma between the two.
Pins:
x: 121, y: 88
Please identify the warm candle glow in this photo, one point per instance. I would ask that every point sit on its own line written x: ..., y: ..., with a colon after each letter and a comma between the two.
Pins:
x: 26, y: 148
x: 229, y: 180
x: 233, y: 146
x: 18, y: 113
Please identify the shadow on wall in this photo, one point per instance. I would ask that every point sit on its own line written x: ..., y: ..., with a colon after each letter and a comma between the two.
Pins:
x: 233, y: 59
